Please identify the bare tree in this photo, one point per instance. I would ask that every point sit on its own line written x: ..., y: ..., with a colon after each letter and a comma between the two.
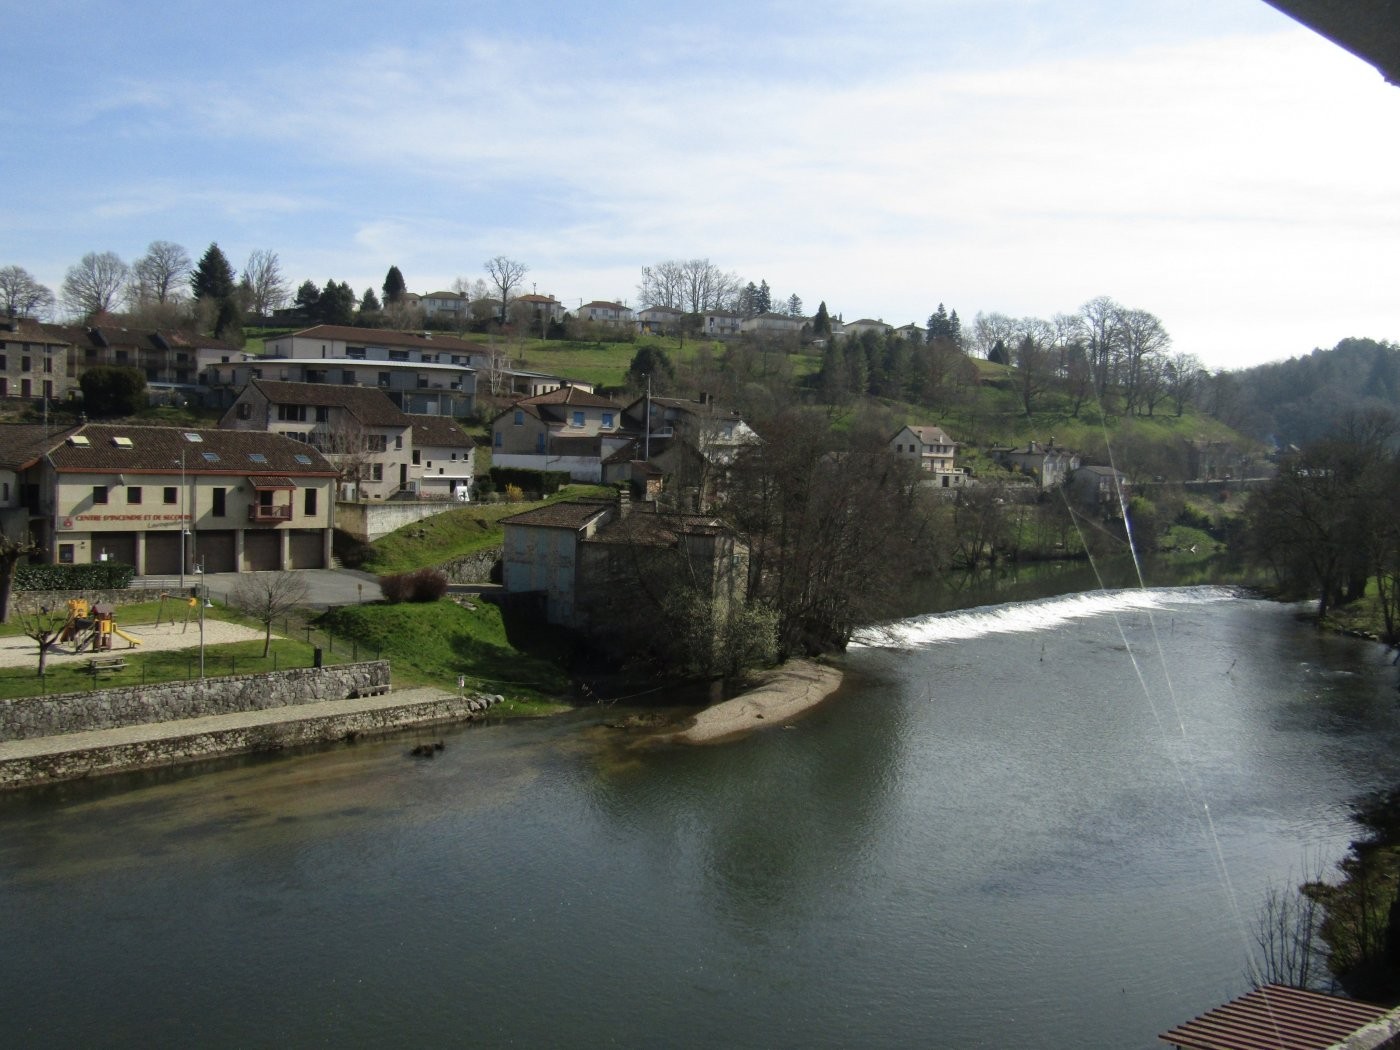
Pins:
x: 1286, y: 929
x: 21, y: 295
x: 1103, y: 338
x: 663, y: 285
x: 350, y: 447
x: 990, y: 329
x: 264, y: 284
x: 161, y: 274
x: 95, y: 284
x: 268, y: 595
x: 43, y: 623
x: 506, y: 275
x: 1143, y: 341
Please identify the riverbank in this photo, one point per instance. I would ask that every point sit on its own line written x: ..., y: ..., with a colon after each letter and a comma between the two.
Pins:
x: 778, y: 697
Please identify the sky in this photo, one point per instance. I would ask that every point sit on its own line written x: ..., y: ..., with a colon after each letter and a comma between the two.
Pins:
x: 1209, y: 161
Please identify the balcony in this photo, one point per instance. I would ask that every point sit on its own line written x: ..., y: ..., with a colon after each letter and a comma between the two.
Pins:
x: 270, y: 515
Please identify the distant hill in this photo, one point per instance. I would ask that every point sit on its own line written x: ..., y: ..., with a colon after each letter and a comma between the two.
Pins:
x: 1297, y: 401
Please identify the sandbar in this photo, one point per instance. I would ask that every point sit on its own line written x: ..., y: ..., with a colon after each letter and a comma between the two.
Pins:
x: 779, y: 696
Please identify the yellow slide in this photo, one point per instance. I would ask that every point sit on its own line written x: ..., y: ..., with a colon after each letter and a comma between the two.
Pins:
x: 129, y: 637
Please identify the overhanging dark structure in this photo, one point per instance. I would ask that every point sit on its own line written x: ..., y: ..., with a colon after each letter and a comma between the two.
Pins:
x: 1369, y: 29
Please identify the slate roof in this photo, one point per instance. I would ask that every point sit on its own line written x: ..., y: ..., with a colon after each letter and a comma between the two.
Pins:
x: 439, y: 432
x: 156, y: 450
x: 368, y: 404
x: 23, y: 443
x: 569, y: 514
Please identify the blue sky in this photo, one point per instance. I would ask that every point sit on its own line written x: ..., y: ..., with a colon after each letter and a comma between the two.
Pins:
x: 1207, y: 160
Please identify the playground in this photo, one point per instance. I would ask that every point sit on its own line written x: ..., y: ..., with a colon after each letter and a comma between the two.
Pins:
x: 97, y: 631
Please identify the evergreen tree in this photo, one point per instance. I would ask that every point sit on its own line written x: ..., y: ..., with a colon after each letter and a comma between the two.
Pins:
x: 649, y: 361
x: 213, y: 278
x: 228, y: 322
x: 394, y: 287
x: 308, y: 298
x: 938, y: 324
x: 821, y: 323
x: 369, y: 303
x: 113, y: 390
x: 794, y: 305
x: 998, y: 355
x: 337, y: 303
x: 764, y: 303
x: 955, y: 330
x: 748, y: 299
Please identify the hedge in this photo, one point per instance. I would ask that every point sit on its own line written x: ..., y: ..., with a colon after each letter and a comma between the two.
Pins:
x: 545, y: 482
x: 107, y: 575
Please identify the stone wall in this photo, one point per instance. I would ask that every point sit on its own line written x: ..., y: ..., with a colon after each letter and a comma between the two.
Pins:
x: 472, y: 568
x: 369, y: 521
x: 161, y: 750
x: 38, y: 716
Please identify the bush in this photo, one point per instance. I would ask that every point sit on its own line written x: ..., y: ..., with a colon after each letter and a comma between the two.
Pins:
x: 106, y: 575
x: 545, y: 482
x: 422, y: 585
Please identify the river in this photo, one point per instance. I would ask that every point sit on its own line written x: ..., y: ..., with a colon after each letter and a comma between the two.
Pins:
x: 1045, y: 824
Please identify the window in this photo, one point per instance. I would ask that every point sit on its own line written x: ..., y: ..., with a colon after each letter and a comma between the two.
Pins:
x: 376, y: 472
x: 291, y: 413
x: 519, y: 417
x: 65, y: 553
x: 383, y: 378
x: 211, y: 457
x: 309, y: 502
x: 416, y: 459
x: 323, y: 412
x: 245, y: 410
x: 258, y: 457
x: 398, y: 442
x: 24, y: 388
x: 133, y: 495
x: 496, y: 439
x: 577, y: 420
x: 3, y: 363
x: 24, y: 364
x: 539, y: 442
x: 4, y: 388
x: 607, y: 420
x: 377, y: 443
x: 169, y: 496
x: 220, y: 504
x: 48, y: 388
x: 99, y: 494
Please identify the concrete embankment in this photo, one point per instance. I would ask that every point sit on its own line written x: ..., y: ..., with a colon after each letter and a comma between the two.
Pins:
x: 41, y: 742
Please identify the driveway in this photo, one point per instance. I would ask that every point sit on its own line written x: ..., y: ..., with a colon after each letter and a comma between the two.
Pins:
x: 325, y: 587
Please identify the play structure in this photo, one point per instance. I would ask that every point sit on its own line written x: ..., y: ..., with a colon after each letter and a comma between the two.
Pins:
x: 92, y: 627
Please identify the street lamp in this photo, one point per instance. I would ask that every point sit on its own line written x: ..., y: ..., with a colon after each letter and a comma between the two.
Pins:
x: 183, y: 531
x: 202, y: 599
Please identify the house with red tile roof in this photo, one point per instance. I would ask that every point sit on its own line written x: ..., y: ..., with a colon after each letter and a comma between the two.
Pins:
x: 567, y: 429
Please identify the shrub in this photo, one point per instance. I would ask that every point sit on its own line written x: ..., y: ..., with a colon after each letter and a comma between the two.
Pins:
x: 108, y: 575
x: 514, y: 493
x: 422, y: 585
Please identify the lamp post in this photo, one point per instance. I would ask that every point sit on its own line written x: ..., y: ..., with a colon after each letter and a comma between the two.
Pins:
x: 183, y: 530
x: 202, y: 596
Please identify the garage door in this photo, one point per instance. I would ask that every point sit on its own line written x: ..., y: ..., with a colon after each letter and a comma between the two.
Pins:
x: 215, y: 550
x: 119, y: 547
x: 308, y: 549
x: 162, y: 553
x: 262, y: 550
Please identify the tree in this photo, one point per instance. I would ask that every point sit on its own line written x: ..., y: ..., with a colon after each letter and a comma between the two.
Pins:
x: 157, y: 275
x: 1032, y: 362
x: 43, y: 623
x: 95, y: 284
x: 21, y: 295
x: 212, y: 280
x: 937, y: 324
x: 506, y: 275
x: 821, y: 323
x: 113, y: 390
x: 649, y: 361
x: 263, y: 285
x: 394, y: 286
x: 268, y: 595
x: 694, y: 286
x: 308, y: 298
x: 794, y: 305
x: 336, y: 304
x: 11, y: 551
x: 368, y: 303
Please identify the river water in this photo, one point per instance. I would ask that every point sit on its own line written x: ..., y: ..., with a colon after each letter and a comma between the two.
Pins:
x: 1046, y: 824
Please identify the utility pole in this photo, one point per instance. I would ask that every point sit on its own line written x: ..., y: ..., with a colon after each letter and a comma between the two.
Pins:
x: 646, y: 454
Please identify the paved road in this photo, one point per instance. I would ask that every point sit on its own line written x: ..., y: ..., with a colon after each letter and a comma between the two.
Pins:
x: 325, y: 586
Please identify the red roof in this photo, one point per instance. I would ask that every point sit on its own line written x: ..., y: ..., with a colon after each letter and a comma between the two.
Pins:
x: 1276, y: 1018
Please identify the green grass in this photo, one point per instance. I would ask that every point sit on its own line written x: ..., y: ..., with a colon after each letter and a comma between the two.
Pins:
x: 455, y: 533
x: 433, y: 643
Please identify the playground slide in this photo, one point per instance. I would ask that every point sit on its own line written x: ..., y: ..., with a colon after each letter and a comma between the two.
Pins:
x: 129, y: 637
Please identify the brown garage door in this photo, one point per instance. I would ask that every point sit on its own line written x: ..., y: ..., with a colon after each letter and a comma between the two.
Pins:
x: 215, y: 550
x: 262, y: 550
x: 118, y: 546
x: 308, y: 549
x: 162, y: 553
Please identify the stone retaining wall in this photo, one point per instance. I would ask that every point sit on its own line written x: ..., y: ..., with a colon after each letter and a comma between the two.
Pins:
x: 169, y: 751
x: 367, y: 522
x: 472, y: 568
x: 38, y: 716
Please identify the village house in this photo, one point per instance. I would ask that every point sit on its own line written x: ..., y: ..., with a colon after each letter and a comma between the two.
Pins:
x: 932, y: 452
x: 362, y: 432
x: 583, y: 561
x: 545, y: 307
x: 568, y: 429
x: 722, y: 324
x: 772, y: 324
x: 600, y: 312
x: 1099, y: 490
x: 912, y: 333
x: 427, y: 373
x: 659, y: 320
x: 445, y: 307
x: 229, y: 501
x: 34, y: 360
x: 443, y: 458
x: 854, y: 329
x: 689, y: 445
x: 1047, y: 464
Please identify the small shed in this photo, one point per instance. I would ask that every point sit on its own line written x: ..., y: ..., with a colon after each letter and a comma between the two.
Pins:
x: 1275, y: 1017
